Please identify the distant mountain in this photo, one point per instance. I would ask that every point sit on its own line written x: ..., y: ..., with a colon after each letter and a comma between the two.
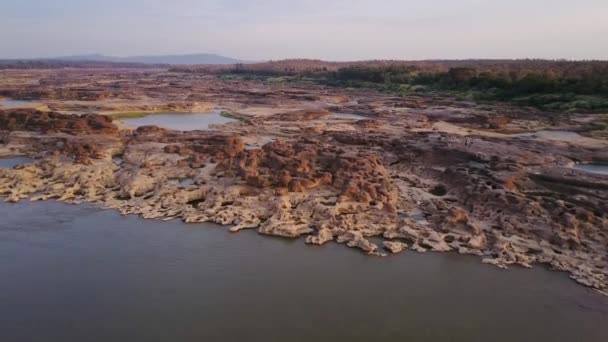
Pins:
x: 191, y: 59
x: 79, y: 64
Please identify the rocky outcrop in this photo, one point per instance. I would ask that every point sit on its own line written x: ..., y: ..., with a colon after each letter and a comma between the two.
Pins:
x: 52, y: 122
x: 301, y: 115
x: 304, y: 165
x: 324, y: 235
x: 356, y: 239
x: 395, y: 246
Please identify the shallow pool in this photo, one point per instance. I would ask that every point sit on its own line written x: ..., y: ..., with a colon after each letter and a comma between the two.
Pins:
x: 9, y: 163
x: 601, y: 169
x: 14, y: 103
x: 180, y: 121
x: 349, y: 116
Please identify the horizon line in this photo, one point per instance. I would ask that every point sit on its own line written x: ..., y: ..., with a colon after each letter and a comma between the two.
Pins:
x: 432, y: 59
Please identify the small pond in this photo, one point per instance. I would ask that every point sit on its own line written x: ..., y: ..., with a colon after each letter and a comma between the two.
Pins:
x: 9, y: 163
x: 180, y: 121
x: 183, y: 182
x: 14, y: 103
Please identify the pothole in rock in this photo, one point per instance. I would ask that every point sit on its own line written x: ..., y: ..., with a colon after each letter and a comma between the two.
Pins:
x: 118, y: 160
x: 182, y: 182
x: 439, y: 190
x: 194, y: 203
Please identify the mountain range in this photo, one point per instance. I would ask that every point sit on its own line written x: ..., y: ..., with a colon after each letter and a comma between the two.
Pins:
x: 189, y: 59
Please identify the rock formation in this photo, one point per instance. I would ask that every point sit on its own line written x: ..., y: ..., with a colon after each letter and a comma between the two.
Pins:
x: 400, y: 176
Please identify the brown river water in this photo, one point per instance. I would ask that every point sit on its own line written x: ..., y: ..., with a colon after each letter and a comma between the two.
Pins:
x: 77, y: 273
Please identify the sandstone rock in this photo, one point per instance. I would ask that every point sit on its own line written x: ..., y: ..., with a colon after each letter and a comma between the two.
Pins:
x: 323, y: 236
x: 48, y: 122
x: 394, y: 246
x: 356, y: 239
x: 302, y: 115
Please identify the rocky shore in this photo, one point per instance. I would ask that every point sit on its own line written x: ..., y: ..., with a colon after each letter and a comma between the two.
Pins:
x: 422, y: 174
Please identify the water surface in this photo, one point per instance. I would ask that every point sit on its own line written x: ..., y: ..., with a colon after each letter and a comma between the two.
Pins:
x: 601, y: 169
x: 9, y: 163
x: 74, y: 273
x: 349, y: 116
x: 183, y: 182
x: 180, y: 121
x: 14, y: 103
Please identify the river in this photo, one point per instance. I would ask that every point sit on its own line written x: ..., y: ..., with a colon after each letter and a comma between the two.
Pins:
x: 77, y: 273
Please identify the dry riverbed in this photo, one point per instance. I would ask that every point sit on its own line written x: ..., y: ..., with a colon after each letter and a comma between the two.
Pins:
x: 422, y: 174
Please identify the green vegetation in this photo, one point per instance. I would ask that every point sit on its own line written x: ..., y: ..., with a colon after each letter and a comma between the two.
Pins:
x: 553, y: 86
x: 231, y: 116
x: 128, y: 115
x: 135, y: 115
x: 597, y: 129
x: 583, y: 90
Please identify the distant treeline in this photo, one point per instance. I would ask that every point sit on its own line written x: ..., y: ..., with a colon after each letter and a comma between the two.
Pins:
x: 59, y: 64
x: 310, y: 67
x: 547, y: 84
x: 551, y: 86
x: 590, y: 78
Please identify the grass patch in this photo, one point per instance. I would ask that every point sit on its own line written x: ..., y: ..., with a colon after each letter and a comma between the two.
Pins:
x: 565, y: 102
x: 135, y: 115
x: 597, y: 129
x: 555, y: 100
x: 231, y: 116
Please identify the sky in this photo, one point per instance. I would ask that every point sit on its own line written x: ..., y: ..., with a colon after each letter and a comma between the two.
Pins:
x: 324, y: 29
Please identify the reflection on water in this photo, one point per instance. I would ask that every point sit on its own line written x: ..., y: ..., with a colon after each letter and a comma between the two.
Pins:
x: 601, y: 169
x: 74, y: 273
x: 182, y: 182
x: 9, y: 163
x: 14, y: 103
x: 180, y: 121
x: 349, y: 116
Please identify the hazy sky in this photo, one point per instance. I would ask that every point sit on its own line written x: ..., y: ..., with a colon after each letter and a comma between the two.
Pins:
x: 327, y: 29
